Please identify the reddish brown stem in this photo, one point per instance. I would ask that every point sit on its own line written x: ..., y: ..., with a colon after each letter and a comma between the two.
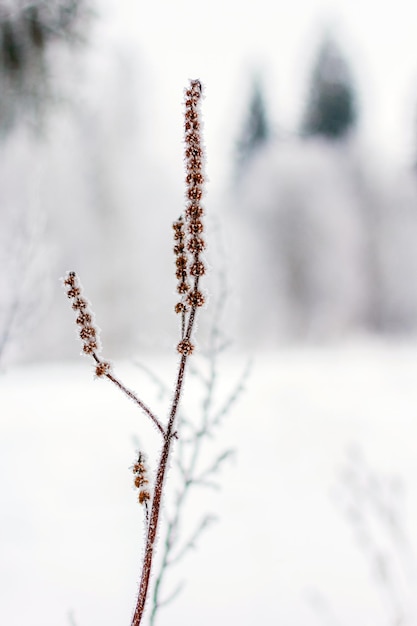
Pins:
x: 157, y: 498
x: 195, y: 244
x: 134, y: 397
x: 130, y: 394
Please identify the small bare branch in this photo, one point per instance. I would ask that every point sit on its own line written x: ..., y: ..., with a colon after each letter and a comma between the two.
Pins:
x: 172, y: 595
x: 191, y: 543
x: 215, y: 467
x: 71, y: 618
x: 233, y: 397
x: 163, y: 389
x: 131, y: 394
x: 89, y: 335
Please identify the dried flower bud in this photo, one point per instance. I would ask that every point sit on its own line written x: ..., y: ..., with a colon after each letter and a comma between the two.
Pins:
x: 90, y: 348
x: 194, y: 193
x: 197, y: 269
x: 183, y: 287
x: 84, y: 319
x: 73, y: 292
x: 194, y: 178
x: 193, y: 152
x: 195, y: 298
x: 195, y: 227
x: 179, y: 248
x: 185, y: 347
x: 196, y: 245
x: 79, y: 304
x: 180, y: 307
x: 70, y: 279
x: 144, y: 496
x: 181, y: 261
x: 88, y: 332
x: 193, y: 212
x: 141, y: 482
x: 194, y: 167
x: 103, y: 368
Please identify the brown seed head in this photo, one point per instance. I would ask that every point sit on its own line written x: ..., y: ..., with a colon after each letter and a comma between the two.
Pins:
x: 70, y: 279
x: 195, y: 298
x: 180, y: 307
x: 193, y: 212
x: 185, y: 347
x: 181, y: 261
x: 144, y: 496
x: 197, y: 269
x: 183, y: 287
x: 140, y: 480
x: 88, y: 332
x: 90, y: 347
x: 84, y: 318
x: 140, y: 472
x: 195, y: 227
x: 73, y: 292
x: 179, y: 248
x: 194, y: 193
x: 103, y: 368
x: 79, y: 304
x: 196, y: 245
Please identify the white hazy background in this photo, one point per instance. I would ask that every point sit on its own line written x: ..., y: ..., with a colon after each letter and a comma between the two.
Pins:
x: 318, y: 511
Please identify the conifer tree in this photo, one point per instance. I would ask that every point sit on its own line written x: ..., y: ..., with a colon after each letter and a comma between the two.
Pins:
x: 256, y: 129
x: 331, y: 110
x: 27, y: 30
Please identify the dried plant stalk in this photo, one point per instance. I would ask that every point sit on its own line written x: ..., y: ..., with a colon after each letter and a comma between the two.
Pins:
x: 189, y: 269
x: 197, y: 430
x: 185, y: 347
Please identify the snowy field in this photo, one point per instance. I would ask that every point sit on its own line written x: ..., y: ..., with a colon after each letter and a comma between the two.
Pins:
x: 317, y: 512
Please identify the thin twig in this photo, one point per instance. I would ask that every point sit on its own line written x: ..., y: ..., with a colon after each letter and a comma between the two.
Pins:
x: 130, y: 394
x: 163, y: 389
x: 191, y: 543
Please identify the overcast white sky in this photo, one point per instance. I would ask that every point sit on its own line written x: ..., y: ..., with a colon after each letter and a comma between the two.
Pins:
x: 221, y: 41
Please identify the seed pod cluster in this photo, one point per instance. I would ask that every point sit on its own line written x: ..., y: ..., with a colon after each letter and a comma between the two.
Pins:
x: 141, y: 482
x: 194, y: 158
x: 87, y: 330
x: 189, y: 236
x: 181, y: 260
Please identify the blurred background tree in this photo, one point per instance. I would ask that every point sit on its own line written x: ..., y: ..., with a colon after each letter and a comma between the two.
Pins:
x: 332, y: 236
x: 27, y: 31
x: 31, y: 34
x: 256, y: 129
x: 331, y: 110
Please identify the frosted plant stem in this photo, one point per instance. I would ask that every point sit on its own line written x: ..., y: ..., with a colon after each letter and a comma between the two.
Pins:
x: 159, y: 482
x: 188, y: 248
x: 157, y: 499
x: 130, y: 394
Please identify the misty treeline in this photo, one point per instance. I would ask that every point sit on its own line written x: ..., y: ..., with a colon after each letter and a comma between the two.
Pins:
x: 319, y: 241
x: 329, y: 232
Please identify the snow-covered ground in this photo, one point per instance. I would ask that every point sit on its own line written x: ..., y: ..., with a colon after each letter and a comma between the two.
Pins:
x: 326, y: 442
